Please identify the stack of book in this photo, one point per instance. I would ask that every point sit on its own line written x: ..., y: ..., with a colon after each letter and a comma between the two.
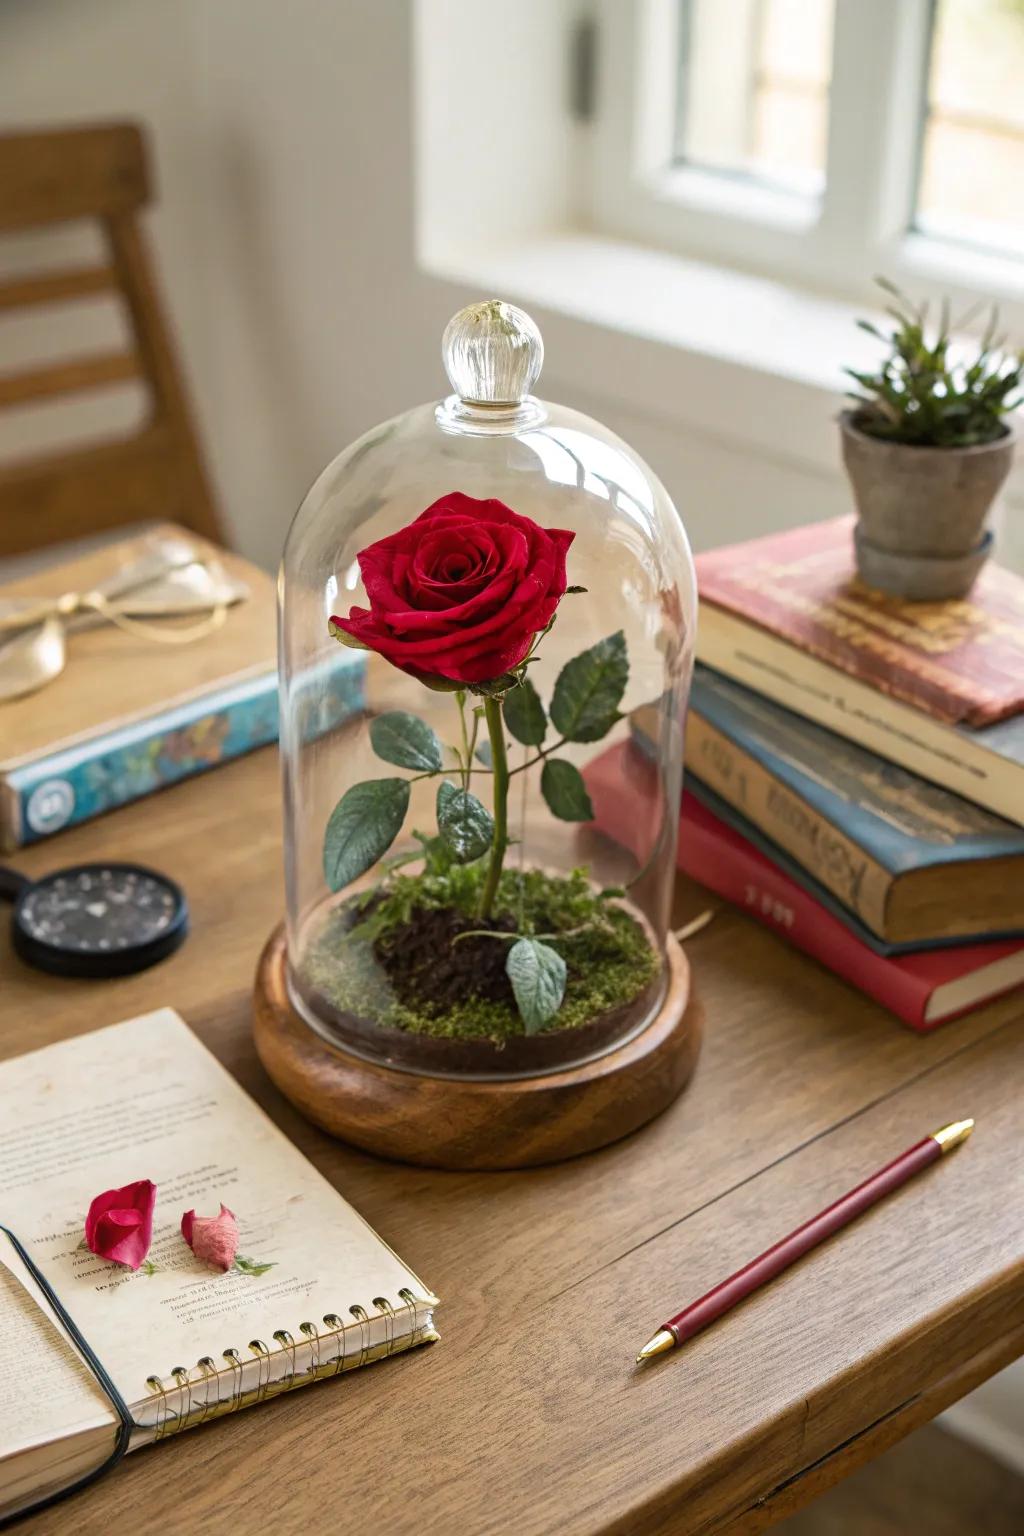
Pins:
x: 854, y: 770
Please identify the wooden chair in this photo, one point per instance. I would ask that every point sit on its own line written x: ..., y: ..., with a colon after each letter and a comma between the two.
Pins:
x: 156, y: 472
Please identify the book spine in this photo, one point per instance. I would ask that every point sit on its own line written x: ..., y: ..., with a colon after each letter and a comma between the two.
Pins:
x: 717, y: 857
x: 708, y: 853
x: 78, y: 783
x: 74, y: 785
x: 834, y: 859
x: 854, y: 710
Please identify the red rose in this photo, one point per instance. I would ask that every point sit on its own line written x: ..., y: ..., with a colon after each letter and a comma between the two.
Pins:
x: 119, y: 1225
x: 460, y: 592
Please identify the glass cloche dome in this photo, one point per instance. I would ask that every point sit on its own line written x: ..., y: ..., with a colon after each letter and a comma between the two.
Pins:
x: 480, y: 862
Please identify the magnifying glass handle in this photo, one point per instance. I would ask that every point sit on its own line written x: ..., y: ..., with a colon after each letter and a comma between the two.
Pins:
x: 11, y: 883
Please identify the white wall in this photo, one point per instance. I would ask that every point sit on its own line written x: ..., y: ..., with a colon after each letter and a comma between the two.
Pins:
x: 286, y: 237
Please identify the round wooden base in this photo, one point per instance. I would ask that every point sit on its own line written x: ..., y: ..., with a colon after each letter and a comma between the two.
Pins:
x: 455, y: 1123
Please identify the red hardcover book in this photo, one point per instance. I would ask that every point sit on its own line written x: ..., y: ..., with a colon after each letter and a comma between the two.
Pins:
x: 960, y: 661
x: 922, y: 989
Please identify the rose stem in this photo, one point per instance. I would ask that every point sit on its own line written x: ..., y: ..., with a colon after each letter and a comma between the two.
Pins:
x: 460, y: 699
x: 499, y: 762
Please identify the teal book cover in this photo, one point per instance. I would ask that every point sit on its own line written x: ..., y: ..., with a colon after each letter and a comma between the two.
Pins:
x: 901, y: 821
x: 98, y: 775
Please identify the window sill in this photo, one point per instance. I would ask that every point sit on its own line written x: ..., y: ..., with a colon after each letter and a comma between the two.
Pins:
x: 753, y: 202
x: 743, y: 359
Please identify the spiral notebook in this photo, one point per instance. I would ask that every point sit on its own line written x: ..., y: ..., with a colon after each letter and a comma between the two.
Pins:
x: 97, y: 1359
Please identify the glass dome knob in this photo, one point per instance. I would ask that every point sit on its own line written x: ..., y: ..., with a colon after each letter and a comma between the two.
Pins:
x: 493, y: 353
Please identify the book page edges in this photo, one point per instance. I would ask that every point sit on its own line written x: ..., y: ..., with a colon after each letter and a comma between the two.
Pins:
x: 946, y: 755
x: 190, y: 1398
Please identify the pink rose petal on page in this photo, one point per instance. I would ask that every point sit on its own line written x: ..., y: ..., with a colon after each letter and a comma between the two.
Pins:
x: 213, y: 1239
x: 119, y: 1224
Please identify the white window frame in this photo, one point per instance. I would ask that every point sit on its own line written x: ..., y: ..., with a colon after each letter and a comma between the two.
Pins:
x: 861, y: 225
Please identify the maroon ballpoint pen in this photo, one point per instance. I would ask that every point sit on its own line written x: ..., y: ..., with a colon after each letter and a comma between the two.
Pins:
x: 774, y: 1260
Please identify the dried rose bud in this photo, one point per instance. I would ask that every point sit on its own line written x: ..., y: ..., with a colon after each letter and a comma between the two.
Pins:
x: 119, y: 1225
x: 213, y: 1239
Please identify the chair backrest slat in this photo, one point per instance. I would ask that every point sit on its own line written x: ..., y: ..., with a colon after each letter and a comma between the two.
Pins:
x: 73, y: 173
x: 98, y: 488
x: 56, y: 287
x: 156, y: 472
x: 68, y: 378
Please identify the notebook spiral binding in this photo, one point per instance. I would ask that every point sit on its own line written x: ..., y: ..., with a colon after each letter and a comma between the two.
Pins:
x: 189, y: 1397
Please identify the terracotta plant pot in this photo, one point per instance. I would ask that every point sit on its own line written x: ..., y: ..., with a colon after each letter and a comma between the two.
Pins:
x: 922, y: 510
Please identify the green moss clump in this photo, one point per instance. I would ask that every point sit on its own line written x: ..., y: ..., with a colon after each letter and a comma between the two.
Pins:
x: 609, y: 958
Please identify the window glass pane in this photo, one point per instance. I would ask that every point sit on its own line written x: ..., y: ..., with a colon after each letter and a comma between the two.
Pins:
x: 972, y: 162
x: 753, y: 89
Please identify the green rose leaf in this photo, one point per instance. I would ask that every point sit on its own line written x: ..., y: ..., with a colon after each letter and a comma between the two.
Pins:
x: 406, y: 741
x: 537, y: 974
x: 466, y: 825
x: 251, y: 1266
x: 362, y: 826
x: 585, y: 703
x: 484, y: 754
x: 524, y: 714
x: 562, y: 786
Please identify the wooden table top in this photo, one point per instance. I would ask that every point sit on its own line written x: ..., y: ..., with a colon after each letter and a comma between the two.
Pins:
x: 529, y: 1416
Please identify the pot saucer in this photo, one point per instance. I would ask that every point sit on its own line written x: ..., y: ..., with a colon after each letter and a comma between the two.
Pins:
x: 920, y: 578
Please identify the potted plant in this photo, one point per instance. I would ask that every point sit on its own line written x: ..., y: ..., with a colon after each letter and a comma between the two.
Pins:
x: 927, y: 447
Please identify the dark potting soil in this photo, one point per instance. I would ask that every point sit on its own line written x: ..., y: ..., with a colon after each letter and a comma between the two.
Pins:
x: 426, y: 966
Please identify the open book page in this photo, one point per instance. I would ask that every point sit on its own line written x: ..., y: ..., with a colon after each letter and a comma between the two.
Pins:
x: 46, y: 1391
x: 145, y: 1099
x: 56, y: 1425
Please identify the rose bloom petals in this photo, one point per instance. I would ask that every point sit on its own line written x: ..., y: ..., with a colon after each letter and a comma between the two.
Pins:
x: 460, y: 592
x: 119, y: 1225
x: 213, y: 1239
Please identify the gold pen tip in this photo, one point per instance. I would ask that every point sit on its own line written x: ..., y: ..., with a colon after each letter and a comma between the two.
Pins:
x: 663, y: 1340
x: 953, y: 1135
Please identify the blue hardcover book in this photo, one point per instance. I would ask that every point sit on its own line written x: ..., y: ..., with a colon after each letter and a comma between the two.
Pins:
x: 907, y: 862
x: 746, y: 829
x: 73, y: 784
x: 126, y: 714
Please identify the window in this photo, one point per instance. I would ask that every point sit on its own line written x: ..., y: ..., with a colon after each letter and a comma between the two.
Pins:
x: 753, y: 96
x: 820, y: 141
x: 972, y: 162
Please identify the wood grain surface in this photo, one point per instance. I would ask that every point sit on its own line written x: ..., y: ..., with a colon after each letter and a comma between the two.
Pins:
x: 528, y: 1416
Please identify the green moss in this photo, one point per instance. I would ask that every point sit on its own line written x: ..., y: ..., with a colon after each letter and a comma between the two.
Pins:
x: 608, y: 956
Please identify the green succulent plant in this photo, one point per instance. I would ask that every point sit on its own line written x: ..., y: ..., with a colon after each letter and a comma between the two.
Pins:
x: 925, y: 393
